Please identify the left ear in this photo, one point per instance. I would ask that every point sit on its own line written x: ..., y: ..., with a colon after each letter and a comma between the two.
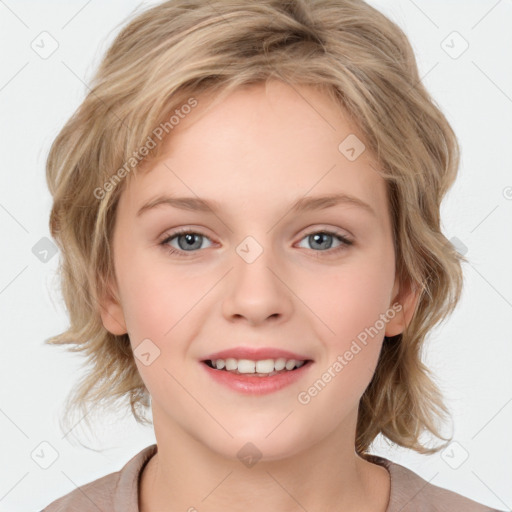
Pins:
x: 407, y: 296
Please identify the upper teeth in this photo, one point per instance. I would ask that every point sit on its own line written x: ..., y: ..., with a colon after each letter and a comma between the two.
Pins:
x: 262, y: 366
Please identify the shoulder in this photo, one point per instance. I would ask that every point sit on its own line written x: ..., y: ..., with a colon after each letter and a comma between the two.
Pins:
x: 114, y: 492
x: 411, y: 493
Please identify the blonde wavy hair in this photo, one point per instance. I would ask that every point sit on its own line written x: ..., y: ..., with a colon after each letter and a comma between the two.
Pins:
x: 180, y: 49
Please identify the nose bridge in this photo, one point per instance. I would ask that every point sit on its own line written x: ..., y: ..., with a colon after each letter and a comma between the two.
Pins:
x: 256, y: 292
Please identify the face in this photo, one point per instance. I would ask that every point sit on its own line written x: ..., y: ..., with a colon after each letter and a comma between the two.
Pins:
x: 255, y: 272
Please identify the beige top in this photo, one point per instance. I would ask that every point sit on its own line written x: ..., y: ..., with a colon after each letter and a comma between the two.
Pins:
x: 119, y: 491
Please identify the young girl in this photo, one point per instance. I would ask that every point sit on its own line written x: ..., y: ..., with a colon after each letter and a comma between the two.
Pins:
x: 248, y: 209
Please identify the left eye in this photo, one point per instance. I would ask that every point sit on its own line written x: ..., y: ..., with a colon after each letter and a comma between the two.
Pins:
x: 324, y: 239
x: 190, y: 241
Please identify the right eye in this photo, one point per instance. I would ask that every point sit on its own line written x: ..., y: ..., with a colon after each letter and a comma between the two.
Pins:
x: 186, y: 239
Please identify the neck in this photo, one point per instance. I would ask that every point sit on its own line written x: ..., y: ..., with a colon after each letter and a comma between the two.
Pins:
x: 185, y: 474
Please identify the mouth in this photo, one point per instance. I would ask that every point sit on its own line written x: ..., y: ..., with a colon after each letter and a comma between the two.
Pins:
x: 256, y: 377
x: 256, y: 371
x: 256, y: 368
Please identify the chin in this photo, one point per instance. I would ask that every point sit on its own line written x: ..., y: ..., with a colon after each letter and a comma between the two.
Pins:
x: 257, y: 444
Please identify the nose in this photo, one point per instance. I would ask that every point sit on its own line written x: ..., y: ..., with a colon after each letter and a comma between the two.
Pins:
x: 257, y: 291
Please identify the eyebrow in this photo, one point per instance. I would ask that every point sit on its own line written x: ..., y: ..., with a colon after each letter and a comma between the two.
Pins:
x: 303, y: 204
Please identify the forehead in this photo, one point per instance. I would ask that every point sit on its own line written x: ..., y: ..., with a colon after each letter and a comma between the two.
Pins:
x: 262, y: 145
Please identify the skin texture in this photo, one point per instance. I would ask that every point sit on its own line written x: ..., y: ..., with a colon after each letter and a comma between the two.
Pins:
x: 256, y: 153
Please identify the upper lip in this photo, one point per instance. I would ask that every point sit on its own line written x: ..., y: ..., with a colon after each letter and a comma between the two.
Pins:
x: 256, y: 354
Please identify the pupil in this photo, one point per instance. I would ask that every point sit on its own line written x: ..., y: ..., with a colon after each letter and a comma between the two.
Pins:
x: 189, y: 241
x: 317, y: 236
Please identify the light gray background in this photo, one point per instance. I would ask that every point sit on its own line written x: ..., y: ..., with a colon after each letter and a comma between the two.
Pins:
x: 470, y: 355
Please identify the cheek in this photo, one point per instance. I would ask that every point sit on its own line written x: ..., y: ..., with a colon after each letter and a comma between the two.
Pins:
x: 158, y: 306
x: 352, y: 308
x: 355, y: 298
x: 155, y: 297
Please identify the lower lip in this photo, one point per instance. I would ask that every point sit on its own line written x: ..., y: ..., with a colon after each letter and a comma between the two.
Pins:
x: 254, y: 385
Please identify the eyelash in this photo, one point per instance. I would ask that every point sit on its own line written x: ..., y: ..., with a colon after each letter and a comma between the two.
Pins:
x: 184, y: 231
